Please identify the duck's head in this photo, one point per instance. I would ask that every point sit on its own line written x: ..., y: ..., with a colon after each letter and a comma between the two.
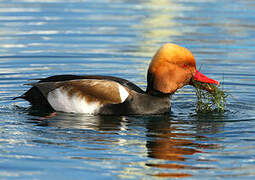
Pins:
x: 171, y: 68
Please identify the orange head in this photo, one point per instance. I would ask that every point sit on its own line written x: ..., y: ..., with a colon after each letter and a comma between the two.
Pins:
x: 173, y: 67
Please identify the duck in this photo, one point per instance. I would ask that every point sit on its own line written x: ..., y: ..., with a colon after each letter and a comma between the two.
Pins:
x: 171, y: 68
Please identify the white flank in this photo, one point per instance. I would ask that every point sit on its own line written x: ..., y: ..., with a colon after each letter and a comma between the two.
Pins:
x: 123, y: 93
x: 60, y: 101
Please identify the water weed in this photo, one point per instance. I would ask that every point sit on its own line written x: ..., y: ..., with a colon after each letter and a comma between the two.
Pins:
x: 209, y: 97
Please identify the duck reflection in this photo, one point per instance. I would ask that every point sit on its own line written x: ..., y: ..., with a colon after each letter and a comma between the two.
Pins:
x: 80, y: 121
x: 171, y: 144
x: 89, y: 132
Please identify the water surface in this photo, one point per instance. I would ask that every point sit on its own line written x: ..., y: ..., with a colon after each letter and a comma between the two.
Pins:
x: 40, y: 38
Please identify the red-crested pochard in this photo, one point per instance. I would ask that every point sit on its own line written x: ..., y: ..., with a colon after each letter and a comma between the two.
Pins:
x: 171, y: 68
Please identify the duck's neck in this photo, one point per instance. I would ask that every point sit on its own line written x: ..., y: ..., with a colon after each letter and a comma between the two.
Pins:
x: 151, y: 91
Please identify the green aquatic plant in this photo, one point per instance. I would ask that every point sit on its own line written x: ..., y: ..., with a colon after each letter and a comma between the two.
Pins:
x: 209, y: 97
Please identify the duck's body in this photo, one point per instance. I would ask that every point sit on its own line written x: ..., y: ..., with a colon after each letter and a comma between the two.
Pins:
x: 94, y: 95
x: 171, y: 68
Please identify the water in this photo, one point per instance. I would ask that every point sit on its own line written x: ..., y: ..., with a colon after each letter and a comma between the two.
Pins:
x: 39, y: 38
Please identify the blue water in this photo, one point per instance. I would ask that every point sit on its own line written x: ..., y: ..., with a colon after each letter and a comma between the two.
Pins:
x: 40, y: 38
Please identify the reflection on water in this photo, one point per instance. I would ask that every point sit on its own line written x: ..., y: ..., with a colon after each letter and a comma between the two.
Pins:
x: 99, y: 123
x: 166, y: 139
x: 157, y: 27
x: 175, y: 144
x: 41, y: 38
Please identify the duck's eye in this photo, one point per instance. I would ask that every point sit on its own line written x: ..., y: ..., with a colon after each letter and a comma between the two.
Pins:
x: 184, y: 65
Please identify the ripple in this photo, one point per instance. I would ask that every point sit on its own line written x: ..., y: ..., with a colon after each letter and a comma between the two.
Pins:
x: 41, y: 38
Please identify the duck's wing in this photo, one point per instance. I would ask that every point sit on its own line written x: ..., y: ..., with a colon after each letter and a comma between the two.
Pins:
x: 38, y: 101
x: 67, y: 77
x: 82, y: 95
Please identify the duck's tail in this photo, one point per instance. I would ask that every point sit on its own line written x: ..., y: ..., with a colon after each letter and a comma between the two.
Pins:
x: 19, y: 97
